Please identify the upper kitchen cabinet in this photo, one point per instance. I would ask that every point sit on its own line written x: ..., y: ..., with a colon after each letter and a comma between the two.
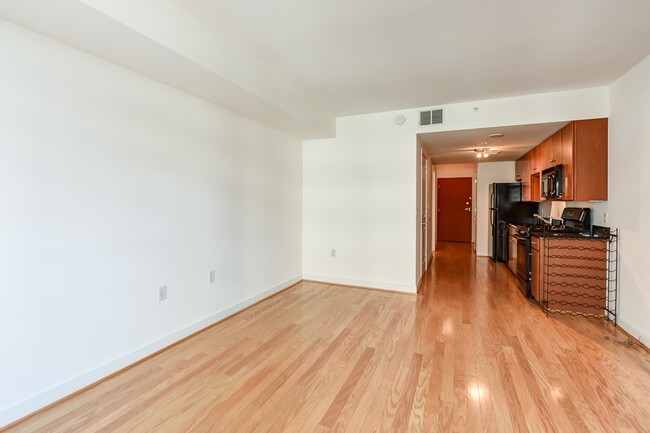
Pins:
x: 525, y: 177
x: 545, y: 150
x: 581, y: 148
x: 567, y: 157
x: 527, y: 172
x: 584, y: 153
x: 522, y: 174
x: 519, y: 169
x: 550, y: 151
x: 533, y: 156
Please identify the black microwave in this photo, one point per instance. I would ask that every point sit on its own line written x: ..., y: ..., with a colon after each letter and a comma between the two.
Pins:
x: 552, y: 182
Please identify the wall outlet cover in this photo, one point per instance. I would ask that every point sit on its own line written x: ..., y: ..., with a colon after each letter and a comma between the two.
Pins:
x: 162, y: 293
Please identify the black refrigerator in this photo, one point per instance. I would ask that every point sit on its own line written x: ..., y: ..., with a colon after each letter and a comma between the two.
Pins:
x: 506, y: 207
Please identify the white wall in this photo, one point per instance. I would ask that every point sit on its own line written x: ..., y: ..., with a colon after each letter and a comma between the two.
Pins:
x: 420, y: 211
x: 629, y: 194
x: 360, y: 198
x: 456, y: 170
x: 487, y: 173
x: 433, y: 235
x: 173, y: 44
x: 112, y: 185
x: 360, y: 188
x: 429, y: 210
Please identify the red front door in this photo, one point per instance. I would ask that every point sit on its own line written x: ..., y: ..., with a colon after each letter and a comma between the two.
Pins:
x: 455, y: 209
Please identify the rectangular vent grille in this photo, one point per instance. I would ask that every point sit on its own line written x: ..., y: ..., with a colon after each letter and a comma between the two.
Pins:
x: 425, y: 118
x: 431, y: 117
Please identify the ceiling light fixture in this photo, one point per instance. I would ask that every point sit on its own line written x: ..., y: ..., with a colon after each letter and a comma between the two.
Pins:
x: 485, y: 152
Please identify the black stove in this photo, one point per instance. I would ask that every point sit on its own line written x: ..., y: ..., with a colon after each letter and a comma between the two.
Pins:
x: 574, y: 221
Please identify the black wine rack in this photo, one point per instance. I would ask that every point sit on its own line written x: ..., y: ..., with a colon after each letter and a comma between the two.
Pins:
x: 581, y: 276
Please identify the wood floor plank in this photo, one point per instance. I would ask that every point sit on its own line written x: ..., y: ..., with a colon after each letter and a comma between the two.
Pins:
x: 469, y: 353
x: 392, y: 337
x: 334, y: 410
x: 406, y: 399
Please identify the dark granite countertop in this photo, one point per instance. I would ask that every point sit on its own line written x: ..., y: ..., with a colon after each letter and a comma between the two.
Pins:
x: 597, y: 233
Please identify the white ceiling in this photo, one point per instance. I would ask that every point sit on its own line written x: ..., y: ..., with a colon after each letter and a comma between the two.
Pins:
x: 457, y: 147
x: 367, y: 56
x: 296, y: 65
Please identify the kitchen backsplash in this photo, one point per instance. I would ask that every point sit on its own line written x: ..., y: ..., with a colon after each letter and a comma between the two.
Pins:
x: 555, y: 208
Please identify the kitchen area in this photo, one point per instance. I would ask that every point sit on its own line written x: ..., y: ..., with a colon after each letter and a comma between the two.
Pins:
x: 542, y: 229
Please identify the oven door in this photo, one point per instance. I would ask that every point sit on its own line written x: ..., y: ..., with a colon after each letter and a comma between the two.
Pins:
x: 523, y: 250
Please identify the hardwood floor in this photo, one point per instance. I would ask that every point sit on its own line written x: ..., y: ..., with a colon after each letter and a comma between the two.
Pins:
x: 469, y: 354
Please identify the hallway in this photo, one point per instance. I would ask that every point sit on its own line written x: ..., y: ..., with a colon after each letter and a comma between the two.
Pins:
x: 469, y: 354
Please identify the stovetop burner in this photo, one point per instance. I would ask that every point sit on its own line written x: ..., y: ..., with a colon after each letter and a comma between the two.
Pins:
x: 576, y: 222
x: 541, y: 228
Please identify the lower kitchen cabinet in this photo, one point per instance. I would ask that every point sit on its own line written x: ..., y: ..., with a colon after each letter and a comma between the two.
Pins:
x: 535, y: 262
x: 512, y: 249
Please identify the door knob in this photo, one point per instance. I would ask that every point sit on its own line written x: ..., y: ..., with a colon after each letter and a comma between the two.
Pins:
x: 467, y: 209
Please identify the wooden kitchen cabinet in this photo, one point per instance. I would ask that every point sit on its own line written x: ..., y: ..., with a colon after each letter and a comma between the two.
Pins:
x: 550, y: 151
x: 525, y: 167
x: 525, y: 183
x: 525, y: 190
x: 556, y: 149
x: 581, y: 148
x: 512, y: 249
x: 535, y: 267
x: 535, y: 176
x: 545, y: 151
x: 567, y: 161
x: 585, y: 160
x: 519, y: 170
x: 536, y: 187
x: 535, y: 166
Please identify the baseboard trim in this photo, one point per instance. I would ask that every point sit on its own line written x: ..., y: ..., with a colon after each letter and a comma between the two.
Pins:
x: 362, y: 284
x: 635, y: 334
x: 14, y: 415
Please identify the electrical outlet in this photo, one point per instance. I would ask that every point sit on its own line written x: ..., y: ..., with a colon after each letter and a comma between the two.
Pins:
x: 162, y: 293
x: 333, y: 252
x: 212, y: 276
x: 605, y: 217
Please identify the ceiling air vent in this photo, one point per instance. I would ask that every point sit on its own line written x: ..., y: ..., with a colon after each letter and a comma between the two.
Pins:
x: 430, y: 117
